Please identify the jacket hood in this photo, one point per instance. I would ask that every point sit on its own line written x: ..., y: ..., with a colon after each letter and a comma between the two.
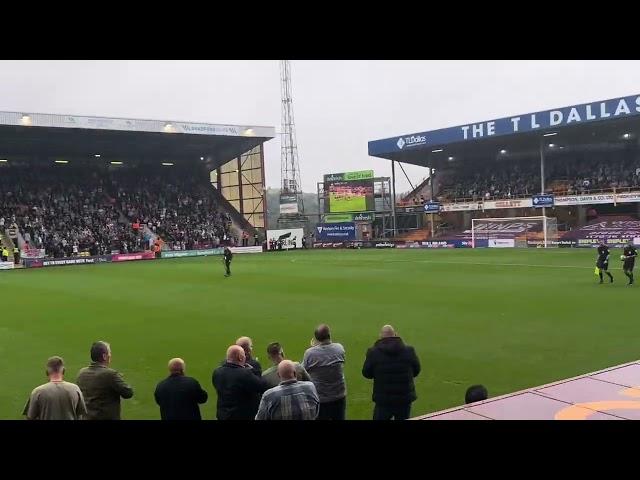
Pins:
x: 390, y: 345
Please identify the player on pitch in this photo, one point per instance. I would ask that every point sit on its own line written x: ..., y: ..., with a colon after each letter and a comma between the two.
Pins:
x: 227, y: 256
x: 603, y: 262
x: 629, y: 255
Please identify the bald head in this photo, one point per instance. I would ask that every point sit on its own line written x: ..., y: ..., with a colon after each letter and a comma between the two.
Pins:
x: 235, y: 354
x: 387, y: 331
x: 322, y: 333
x: 246, y: 344
x: 286, y: 370
x: 176, y: 366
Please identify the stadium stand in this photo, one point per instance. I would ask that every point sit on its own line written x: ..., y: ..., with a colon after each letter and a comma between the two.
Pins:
x: 572, y: 175
x: 500, y: 179
x: 99, y: 210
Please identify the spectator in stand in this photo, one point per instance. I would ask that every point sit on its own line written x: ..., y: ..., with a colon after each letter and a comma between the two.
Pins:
x: 239, y: 390
x: 178, y: 396
x: 291, y: 399
x: 276, y: 355
x: 324, y: 362
x: 476, y: 393
x: 392, y: 365
x: 255, y: 239
x: 102, y: 386
x: 57, y: 399
x: 247, y: 345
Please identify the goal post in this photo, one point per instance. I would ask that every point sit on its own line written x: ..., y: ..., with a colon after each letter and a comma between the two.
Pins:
x: 512, y: 232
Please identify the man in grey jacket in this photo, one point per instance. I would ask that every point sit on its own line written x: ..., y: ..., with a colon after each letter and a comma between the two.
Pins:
x: 324, y: 362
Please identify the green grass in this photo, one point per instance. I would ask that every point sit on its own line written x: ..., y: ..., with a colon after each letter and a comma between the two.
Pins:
x: 509, y: 319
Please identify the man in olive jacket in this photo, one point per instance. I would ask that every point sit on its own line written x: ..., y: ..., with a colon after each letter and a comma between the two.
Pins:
x: 102, y: 386
x: 392, y: 365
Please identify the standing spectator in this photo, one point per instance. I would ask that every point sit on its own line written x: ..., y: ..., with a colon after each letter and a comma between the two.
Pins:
x: 255, y: 239
x: 179, y: 396
x: 324, y: 362
x: 239, y: 390
x: 392, y: 365
x: 291, y: 399
x: 476, y: 393
x: 276, y: 355
x: 56, y: 400
x: 247, y: 346
x: 102, y: 386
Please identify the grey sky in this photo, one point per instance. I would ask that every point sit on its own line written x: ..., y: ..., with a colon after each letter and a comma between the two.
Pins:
x: 339, y: 105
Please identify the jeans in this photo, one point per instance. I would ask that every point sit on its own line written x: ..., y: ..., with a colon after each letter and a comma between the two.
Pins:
x: 335, y: 410
x: 389, y: 412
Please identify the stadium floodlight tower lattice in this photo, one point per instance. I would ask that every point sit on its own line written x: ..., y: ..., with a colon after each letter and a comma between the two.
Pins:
x: 291, y: 197
x: 514, y: 232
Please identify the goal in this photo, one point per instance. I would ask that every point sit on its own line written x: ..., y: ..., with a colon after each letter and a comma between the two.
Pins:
x: 514, y: 232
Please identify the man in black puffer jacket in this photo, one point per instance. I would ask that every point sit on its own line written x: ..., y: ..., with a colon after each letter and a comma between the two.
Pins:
x: 392, y: 365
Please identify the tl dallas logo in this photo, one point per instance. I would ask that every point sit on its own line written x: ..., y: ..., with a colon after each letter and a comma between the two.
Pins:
x: 412, y: 141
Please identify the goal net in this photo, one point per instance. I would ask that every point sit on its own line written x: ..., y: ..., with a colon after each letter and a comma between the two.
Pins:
x: 514, y: 232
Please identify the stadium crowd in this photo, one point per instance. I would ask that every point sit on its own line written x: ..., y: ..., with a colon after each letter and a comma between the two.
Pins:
x: 99, y: 211
x: 312, y: 389
x: 573, y: 176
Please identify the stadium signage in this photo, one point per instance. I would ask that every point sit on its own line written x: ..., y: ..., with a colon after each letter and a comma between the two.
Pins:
x: 461, y: 207
x: 191, y: 253
x: 540, y: 201
x: 254, y: 249
x: 55, y: 262
x: 328, y: 245
x: 501, y: 243
x: 363, y: 217
x: 437, y: 244
x: 209, y: 129
x: 349, y: 217
x: 290, y: 238
x: 585, y: 199
x: 127, y: 257
x: 336, y: 231
x: 6, y: 265
x: 33, y: 253
x: 411, y: 141
x: 602, y: 198
x: 432, y: 207
x: 338, y: 218
x: 627, y: 197
x: 497, y: 204
x: 547, y: 120
x: 349, y: 176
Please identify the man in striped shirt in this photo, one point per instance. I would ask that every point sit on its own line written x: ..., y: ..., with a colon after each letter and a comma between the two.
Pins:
x: 291, y: 400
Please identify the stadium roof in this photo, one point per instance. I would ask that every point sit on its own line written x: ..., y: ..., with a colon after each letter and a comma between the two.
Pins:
x: 46, y: 135
x: 606, y: 124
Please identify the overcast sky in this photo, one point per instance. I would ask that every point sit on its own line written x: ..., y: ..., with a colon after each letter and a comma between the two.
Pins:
x: 338, y: 105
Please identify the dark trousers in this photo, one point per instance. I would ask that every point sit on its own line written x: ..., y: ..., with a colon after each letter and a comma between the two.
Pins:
x: 227, y: 266
x: 335, y: 410
x: 392, y: 412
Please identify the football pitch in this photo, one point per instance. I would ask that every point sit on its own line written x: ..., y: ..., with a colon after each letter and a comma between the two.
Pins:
x: 509, y: 319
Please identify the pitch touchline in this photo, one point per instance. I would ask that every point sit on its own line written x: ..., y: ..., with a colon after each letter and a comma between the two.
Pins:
x: 505, y: 264
x: 487, y: 263
x: 360, y: 261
